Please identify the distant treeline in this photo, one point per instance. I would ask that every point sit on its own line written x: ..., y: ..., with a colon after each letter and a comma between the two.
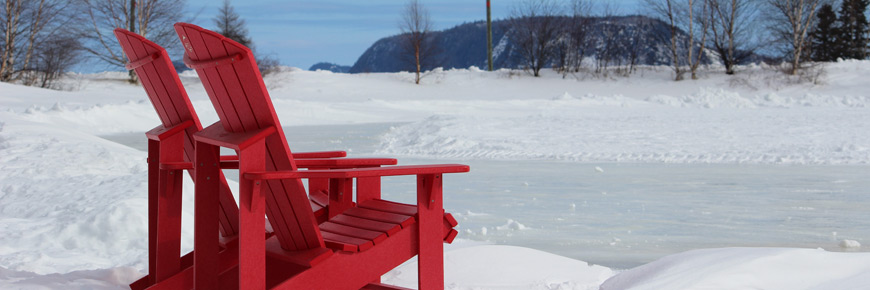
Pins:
x: 576, y: 35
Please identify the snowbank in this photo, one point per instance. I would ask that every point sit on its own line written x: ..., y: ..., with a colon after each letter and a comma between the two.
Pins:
x: 749, y: 268
x: 105, y: 279
x: 68, y: 200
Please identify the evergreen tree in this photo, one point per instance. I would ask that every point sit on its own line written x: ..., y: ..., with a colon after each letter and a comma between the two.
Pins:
x: 854, y: 28
x: 232, y: 26
x: 824, y: 44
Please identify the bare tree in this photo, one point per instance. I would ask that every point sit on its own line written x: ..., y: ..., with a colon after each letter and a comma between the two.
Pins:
x: 38, y: 22
x: 731, y: 30
x: 790, y: 22
x: 562, y: 53
x: 636, y: 42
x: 577, y: 34
x: 698, y: 20
x: 535, y: 27
x: 150, y: 18
x: 11, y: 28
x: 607, y: 49
x: 28, y: 28
x: 416, y: 28
x: 49, y: 26
x: 691, y: 16
x: 55, y: 56
x: 668, y: 10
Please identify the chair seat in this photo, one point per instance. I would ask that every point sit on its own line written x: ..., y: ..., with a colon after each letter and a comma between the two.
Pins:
x: 372, y: 222
x: 360, y: 228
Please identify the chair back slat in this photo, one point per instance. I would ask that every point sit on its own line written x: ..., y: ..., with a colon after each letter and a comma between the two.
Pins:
x: 135, y: 52
x: 237, y: 90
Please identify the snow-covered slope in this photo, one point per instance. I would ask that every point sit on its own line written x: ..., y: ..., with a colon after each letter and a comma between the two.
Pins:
x: 72, y: 205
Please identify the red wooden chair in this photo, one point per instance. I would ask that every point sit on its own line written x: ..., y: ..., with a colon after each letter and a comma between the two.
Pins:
x: 171, y: 143
x: 170, y: 150
x: 351, y: 250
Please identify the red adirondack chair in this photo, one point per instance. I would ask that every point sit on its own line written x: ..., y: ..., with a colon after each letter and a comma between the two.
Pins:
x: 169, y: 143
x: 170, y: 150
x: 351, y: 250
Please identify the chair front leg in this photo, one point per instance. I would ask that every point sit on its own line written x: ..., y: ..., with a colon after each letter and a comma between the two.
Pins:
x: 153, y: 180
x: 168, y: 209
x: 205, y: 221
x: 252, y: 219
x: 430, y: 215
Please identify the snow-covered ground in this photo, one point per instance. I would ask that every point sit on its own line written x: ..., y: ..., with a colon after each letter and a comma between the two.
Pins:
x: 72, y: 203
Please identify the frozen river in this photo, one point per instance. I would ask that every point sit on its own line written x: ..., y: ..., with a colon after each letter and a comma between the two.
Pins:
x: 623, y: 215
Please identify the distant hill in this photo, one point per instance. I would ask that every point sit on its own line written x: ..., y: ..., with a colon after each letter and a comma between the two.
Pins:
x: 180, y: 66
x: 330, y: 67
x: 461, y: 46
x: 465, y: 45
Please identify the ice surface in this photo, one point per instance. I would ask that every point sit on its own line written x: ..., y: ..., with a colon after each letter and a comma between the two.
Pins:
x: 625, y: 214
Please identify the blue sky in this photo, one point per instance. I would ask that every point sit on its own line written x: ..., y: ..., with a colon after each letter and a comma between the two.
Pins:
x: 301, y: 33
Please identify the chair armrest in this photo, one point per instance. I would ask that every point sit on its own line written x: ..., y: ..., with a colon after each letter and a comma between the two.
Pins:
x: 300, y: 155
x: 176, y: 165
x: 360, y: 172
x: 326, y: 163
x: 232, y: 162
x: 319, y: 154
x: 216, y: 135
x: 161, y: 133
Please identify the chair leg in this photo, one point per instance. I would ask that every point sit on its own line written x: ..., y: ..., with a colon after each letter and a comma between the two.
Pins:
x: 169, y: 221
x: 206, y: 210
x: 153, y: 177
x: 252, y: 220
x: 164, y: 208
x: 430, y: 221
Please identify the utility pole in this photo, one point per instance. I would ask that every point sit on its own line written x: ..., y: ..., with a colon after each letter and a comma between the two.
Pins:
x: 131, y: 25
x: 489, y: 34
x: 131, y: 21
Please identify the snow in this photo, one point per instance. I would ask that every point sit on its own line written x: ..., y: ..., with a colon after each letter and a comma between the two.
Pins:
x: 748, y: 268
x: 72, y: 204
x: 507, y: 268
x: 850, y: 244
x: 68, y: 199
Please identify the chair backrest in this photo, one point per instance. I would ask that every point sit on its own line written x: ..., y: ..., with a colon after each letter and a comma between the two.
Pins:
x: 229, y: 72
x: 160, y: 80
